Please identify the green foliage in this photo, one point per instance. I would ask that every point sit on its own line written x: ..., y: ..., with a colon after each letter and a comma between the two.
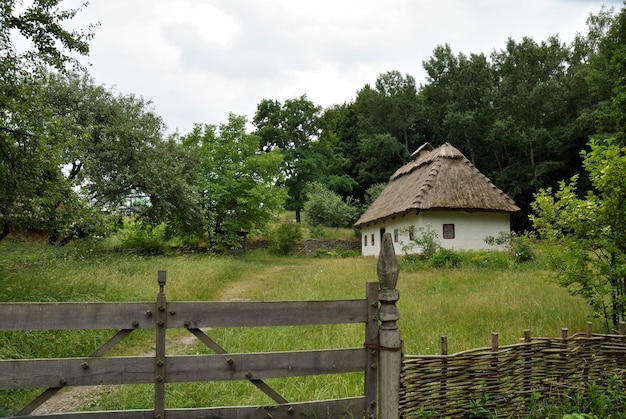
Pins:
x: 33, y: 136
x: 292, y: 127
x: 487, y: 259
x: 326, y: 208
x: 143, y: 239
x: 373, y: 192
x: 591, y: 402
x: 518, y: 246
x: 237, y: 184
x: 285, y: 238
x: 445, y: 258
x: 587, y: 233
x: 424, y: 241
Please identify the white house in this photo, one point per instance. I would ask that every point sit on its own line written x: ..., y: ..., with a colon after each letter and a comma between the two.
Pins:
x: 442, y: 191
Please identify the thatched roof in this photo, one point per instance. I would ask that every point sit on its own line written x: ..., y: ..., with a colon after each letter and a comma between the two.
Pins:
x: 437, y: 179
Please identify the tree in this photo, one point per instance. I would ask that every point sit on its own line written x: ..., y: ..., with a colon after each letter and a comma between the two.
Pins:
x: 588, y: 233
x: 607, y: 76
x: 113, y: 150
x: 294, y: 128
x: 31, y: 140
x: 238, y: 184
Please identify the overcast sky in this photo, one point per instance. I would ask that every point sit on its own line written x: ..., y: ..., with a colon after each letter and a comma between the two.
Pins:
x: 198, y: 60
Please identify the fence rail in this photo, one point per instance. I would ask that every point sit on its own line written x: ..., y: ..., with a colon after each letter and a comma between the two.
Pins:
x: 505, y: 379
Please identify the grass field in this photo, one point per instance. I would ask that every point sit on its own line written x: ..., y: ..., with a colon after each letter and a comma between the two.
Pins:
x: 467, y: 304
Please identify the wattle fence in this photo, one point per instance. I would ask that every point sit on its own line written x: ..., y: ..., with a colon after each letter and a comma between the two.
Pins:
x: 507, y: 380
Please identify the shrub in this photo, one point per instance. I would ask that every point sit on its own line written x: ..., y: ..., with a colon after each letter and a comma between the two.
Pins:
x: 284, y: 238
x: 142, y: 238
x: 325, y: 207
x: 518, y: 246
x: 445, y: 258
x: 425, y: 240
x: 489, y: 259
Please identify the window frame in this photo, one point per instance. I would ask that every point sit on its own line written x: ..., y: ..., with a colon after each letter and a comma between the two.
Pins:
x: 447, y: 229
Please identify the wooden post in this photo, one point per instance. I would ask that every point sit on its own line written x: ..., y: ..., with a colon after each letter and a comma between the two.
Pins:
x: 443, y: 385
x: 371, y: 343
x: 159, y: 360
x: 528, y: 364
x: 389, y: 334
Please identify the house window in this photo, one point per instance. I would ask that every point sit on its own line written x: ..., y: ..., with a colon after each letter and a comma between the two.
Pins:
x: 395, y: 235
x: 365, y: 240
x: 411, y: 233
x: 372, y: 240
x: 448, y: 231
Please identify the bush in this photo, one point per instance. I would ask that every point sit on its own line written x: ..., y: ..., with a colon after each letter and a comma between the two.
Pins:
x: 445, y: 258
x: 142, y: 238
x: 425, y: 240
x: 488, y: 259
x: 518, y: 246
x: 326, y: 208
x: 284, y: 238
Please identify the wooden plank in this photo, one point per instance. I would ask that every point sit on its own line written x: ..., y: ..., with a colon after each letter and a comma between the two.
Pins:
x: 76, y: 316
x: 267, y: 313
x: 60, y: 372
x: 190, y: 368
x: 69, y: 316
x: 352, y: 407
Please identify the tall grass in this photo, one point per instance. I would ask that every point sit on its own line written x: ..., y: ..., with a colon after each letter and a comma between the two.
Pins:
x: 467, y: 304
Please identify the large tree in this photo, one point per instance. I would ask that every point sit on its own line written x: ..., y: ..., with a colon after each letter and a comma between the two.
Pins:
x: 606, y: 77
x: 294, y: 127
x: 238, y: 181
x: 31, y: 133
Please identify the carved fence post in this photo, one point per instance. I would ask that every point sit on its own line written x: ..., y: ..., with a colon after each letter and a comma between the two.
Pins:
x: 389, y: 334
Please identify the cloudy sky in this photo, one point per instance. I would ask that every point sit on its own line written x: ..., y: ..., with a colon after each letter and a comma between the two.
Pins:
x: 198, y: 60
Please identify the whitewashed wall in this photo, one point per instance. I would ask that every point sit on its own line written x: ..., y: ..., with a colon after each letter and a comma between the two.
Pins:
x: 470, y: 230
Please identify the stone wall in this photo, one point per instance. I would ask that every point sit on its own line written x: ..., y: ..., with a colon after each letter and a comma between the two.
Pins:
x: 311, y: 245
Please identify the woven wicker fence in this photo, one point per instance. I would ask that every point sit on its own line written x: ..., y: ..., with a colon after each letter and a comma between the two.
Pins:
x: 503, y: 379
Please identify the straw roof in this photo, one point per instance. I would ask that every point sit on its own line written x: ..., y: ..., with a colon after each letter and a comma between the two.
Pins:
x: 437, y: 179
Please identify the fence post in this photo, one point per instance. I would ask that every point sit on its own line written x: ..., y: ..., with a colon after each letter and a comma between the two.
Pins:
x: 159, y: 361
x: 389, y: 334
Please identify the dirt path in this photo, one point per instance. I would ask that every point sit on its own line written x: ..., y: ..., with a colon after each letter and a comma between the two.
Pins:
x: 72, y: 398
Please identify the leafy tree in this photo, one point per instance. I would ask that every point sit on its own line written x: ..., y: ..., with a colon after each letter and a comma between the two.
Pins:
x: 588, y: 232
x: 338, y: 150
x: 31, y: 134
x: 326, y: 208
x: 389, y: 122
x: 114, y: 149
x: 238, y: 182
x: 607, y: 75
x: 294, y: 128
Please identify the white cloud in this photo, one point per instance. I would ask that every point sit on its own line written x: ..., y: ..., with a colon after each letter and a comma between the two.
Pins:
x: 199, y: 59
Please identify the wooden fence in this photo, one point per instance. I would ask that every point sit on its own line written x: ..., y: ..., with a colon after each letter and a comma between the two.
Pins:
x: 379, y: 360
x: 504, y: 380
